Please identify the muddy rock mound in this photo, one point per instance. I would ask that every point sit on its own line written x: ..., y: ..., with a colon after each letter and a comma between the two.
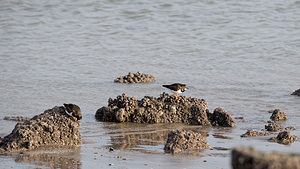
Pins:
x: 275, y: 127
x: 248, y: 158
x: 296, y: 92
x: 284, y: 137
x: 253, y: 133
x: 278, y: 115
x: 164, y: 109
x: 135, y: 78
x: 221, y: 117
x: 182, y: 140
x: 54, y: 127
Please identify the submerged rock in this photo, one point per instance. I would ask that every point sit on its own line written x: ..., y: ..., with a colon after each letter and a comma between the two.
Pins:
x: 290, y: 128
x: 248, y: 158
x: 221, y: 117
x: 274, y: 127
x: 135, y: 78
x: 284, y: 137
x: 164, y: 109
x: 296, y: 92
x: 278, y: 115
x: 182, y: 140
x: 16, y: 118
x: 54, y: 127
x: 252, y: 133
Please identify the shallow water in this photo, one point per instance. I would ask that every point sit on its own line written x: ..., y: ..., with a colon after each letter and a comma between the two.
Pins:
x: 242, y: 56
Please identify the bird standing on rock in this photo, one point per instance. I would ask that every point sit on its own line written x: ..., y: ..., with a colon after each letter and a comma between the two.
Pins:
x: 176, y: 88
x: 74, y: 109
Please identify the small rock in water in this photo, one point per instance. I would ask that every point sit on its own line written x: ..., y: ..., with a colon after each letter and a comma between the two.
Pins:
x: 111, y: 149
x: 290, y: 128
x: 221, y: 117
x: 16, y: 118
x: 278, y: 115
x: 284, y: 137
x: 273, y: 127
x: 181, y: 140
x: 135, y: 78
x: 296, y: 92
x: 252, y: 133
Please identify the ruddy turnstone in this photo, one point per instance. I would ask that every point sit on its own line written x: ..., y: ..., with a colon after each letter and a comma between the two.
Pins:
x: 176, y: 88
x: 74, y: 109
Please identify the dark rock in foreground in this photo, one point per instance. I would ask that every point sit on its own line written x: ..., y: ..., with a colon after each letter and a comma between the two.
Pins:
x: 274, y: 127
x: 16, y: 118
x: 248, y: 158
x: 182, y: 140
x: 296, y: 92
x: 221, y: 118
x: 135, y: 78
x: 164, y: 109
x: 278, y: 115
x: 252, y: 133
x: 284, y: 137
x: 54, y: 127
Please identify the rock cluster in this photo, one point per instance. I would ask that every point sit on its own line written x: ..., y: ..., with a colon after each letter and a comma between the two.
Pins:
x: 54, y: 127
x: 278, y: 115
x: 274, y: 127
x: 164, y: 109
x: 284, y: 137
x: 221, y: 118
x: 296, y: 92
x: 248, y: 158
x: 182, y: 140
x: 252, y: 133
x: 135, y: 78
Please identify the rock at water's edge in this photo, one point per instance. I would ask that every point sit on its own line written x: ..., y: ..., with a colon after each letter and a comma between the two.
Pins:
x: 164, y: 109
x: 54, y: 127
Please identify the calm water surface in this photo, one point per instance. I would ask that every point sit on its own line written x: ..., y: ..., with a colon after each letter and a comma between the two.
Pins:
x: 243, y: 56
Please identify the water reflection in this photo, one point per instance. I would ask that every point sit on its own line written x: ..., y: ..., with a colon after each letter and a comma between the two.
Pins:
x: 51, y: 157
x: 146, y: 138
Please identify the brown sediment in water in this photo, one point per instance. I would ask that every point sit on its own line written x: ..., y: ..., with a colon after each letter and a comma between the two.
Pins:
x: 135, y: 78
x: 54, y: 127
x: 249, y: 158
